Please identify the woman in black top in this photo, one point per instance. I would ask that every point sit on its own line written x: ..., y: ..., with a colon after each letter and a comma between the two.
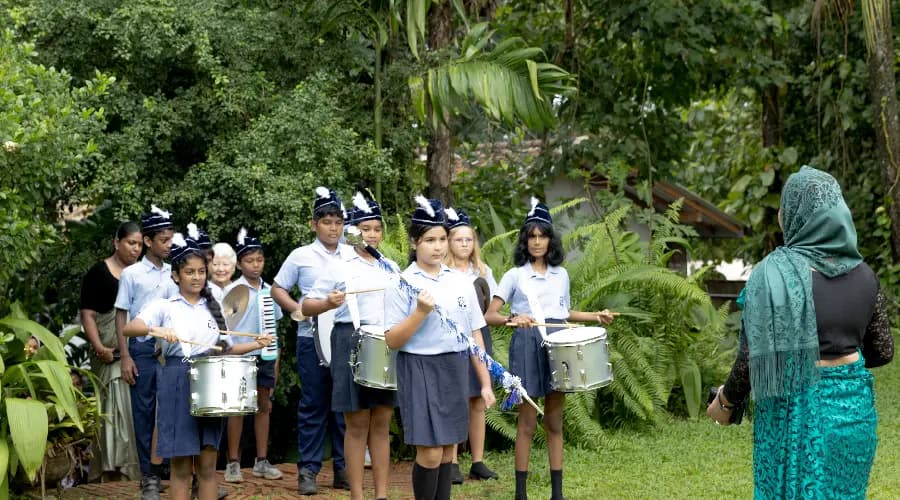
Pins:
x: 117, y: 451
x: 813, y: 321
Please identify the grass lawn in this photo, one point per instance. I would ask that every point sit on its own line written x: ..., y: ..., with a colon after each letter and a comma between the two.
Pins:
x: 683, y: 459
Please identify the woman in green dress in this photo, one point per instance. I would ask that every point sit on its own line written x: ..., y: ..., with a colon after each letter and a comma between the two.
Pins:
x: 813, y: 322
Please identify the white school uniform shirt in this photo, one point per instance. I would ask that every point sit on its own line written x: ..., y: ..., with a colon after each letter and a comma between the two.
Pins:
x: 218, y: 292
x: 453, y: 293
x: 302, y: 268
x: 141, y: 283
x: 190, y: 322
x: 353, y: 272
x: 551, y: 289
x: 473, y: 273
x: 250, y: 321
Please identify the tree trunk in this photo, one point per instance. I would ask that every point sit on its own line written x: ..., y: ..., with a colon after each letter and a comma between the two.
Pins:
x: 439, y: 166
x: 883, y: 89
x: 772, y: 137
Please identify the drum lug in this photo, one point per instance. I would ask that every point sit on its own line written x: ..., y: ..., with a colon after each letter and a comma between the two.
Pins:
x: 387, y: 377
x: 195, y: 396
x: 583, y: 377
x: 223, y: 374
x: 224, y: 398
x: 580, y: 355
x: 195, y: 374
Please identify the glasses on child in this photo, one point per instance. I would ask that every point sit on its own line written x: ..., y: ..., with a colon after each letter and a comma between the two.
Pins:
x: 463, y: 241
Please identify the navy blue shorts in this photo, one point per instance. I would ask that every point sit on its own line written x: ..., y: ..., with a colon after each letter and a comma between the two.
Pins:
x: 265, y: 373
x: 528, y: 360
x: 433, y: 399
x: 347, y: 395
x: 180, y: 433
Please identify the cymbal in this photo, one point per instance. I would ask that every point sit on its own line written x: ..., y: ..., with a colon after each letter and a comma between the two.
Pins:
x: 234, y: 305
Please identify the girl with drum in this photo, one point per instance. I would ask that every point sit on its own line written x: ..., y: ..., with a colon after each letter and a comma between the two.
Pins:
x: 537, y: 291
x: 464, y: 255
x: 191, y: 316
x: 367, y: 410
x: 426, y: 312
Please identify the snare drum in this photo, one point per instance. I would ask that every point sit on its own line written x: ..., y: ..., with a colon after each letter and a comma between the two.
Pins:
x: 579, y: 359
x: 373, y: 363
x: 222, y: 386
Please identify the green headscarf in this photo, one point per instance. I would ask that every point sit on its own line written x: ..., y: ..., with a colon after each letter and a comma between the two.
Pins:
x: 779, y: 316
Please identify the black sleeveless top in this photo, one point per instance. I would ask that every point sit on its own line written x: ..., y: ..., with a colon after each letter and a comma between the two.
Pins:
x: 850, y: 314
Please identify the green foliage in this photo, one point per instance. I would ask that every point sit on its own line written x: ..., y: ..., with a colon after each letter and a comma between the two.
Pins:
x: 505, y: 81
x: 273, y: 167
x: 49, y: 135
x: 41, y: 408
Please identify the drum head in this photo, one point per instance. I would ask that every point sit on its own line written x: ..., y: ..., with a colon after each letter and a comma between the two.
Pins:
x: 322, y: 334
x: 372, y: 330
x: 577, y: 335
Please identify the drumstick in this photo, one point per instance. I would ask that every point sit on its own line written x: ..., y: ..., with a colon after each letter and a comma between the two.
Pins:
x: 214, y: 347
x: 244, y: 334
x: 532, y: 403
x: 364, y: 290
x: 558, y: 325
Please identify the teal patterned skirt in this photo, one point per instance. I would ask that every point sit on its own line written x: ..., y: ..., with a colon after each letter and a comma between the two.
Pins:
x: 819, y: 443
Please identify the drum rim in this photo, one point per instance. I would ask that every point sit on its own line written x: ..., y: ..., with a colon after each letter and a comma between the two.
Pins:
x: 225, y: 357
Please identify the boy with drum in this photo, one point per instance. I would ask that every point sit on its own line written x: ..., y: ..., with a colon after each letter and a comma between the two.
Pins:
x: 537, y: 291
x: 250, y: 260
x: 315, y: 420
x: 367, y: 410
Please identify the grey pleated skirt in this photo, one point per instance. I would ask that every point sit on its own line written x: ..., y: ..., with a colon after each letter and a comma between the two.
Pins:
x: 347, y: 395
x: 528, y: 359
x: 431, y: 394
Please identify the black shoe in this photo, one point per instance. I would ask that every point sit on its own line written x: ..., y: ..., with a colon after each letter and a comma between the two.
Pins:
x: 480, y: 471
x: 340, y: 480
x: 306, y: 482
x: 455, y: 474
x: 150, y: 487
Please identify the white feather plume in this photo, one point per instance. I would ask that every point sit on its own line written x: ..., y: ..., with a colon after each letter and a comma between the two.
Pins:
x: 534, y: 204
x: 322, y: 192
x: 352, y: 230
x: 343, y: 211
x: 156, y: 210
x: 193, y: 232
x: 178, y: 240
x: 425, y: 204
x: 242, y: 235
x: 451, y: 214
x: 359, y: 201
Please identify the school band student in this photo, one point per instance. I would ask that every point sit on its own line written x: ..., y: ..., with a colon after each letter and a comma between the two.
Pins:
x: 315, y: 420
x: 537, y: 291
x: 367, y: 411
x: 464, y: 255
x: 148, y: 279
x: 432, y: 365
x: 251, y: 260
x: 116, y: 454
x: 191, y: 314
